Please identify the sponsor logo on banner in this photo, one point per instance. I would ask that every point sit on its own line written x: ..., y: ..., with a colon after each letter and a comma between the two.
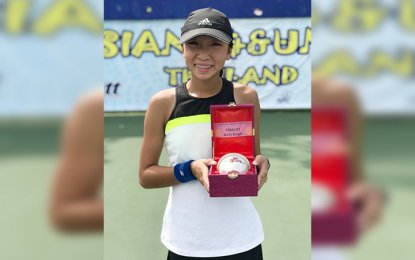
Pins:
x: 270, y: 55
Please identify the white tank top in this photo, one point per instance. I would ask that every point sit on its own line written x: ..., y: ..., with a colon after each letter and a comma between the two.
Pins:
x: 195, y: 224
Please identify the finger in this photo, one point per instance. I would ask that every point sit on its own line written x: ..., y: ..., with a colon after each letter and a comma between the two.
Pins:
x: 364, y: 218
x: 205, y: 178
x: 373, y: 211
x: 210, y: 162
x: 357, y: 192
x: 262, y: 175
x: 263, y: 171
x: 366, y: 205
x: 257, y: 160
x: 261, y: 180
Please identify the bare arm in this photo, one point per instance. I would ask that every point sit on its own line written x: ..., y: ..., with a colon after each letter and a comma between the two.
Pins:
x: 151, y: 174
x: 76, y: 204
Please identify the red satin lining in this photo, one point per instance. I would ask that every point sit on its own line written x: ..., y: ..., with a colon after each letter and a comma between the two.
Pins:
x: 244, y: 145
x: 330, y: 167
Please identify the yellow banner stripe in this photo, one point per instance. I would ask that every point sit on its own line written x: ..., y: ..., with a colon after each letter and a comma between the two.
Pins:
x: 203, y: 118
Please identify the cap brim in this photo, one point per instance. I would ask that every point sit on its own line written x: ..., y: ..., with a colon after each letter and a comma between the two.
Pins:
x: 205, y: 31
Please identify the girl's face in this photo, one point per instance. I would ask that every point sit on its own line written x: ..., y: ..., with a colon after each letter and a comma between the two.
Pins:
x: 205, y: 56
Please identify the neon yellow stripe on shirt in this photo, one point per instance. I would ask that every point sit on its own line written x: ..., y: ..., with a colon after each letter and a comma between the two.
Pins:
x: 185, y: 120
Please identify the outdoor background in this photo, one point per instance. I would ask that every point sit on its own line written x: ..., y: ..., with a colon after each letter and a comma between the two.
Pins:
x: 51, y: 55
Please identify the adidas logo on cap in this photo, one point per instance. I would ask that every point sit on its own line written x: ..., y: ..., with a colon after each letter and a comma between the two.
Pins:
x: 205, y: 22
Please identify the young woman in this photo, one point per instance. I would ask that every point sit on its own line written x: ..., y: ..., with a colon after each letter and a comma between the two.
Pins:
x: 196, y: 225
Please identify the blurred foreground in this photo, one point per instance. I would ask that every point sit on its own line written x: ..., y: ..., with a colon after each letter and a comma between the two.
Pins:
x: 368, y: 46
x: 51, y: 55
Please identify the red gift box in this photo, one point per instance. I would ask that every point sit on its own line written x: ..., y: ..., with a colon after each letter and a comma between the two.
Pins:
x: 330, y: 170
x: 233, y: 131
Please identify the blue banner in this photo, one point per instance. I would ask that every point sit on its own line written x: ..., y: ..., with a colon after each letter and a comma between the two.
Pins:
x: 168, y: 9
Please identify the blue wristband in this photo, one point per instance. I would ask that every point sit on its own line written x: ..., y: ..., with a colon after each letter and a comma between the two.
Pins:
x: 183, y: 172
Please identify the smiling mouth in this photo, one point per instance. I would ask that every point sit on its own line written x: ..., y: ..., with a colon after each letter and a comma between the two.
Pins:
x: 203, y: 67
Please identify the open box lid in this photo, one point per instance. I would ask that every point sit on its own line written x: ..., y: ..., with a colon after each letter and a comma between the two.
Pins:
x: 233, y: 130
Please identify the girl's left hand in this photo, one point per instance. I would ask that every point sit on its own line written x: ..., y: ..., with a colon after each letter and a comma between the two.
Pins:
x: 263, y: 166
x: 369, y: 201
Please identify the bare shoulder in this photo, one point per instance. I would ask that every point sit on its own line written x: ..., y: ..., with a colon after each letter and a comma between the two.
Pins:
x: 244, y: 94
x: 162, y: 103
x: 90, y: 103
x: 166, y: 95
x: 89, y: 109
x: 84, y: 128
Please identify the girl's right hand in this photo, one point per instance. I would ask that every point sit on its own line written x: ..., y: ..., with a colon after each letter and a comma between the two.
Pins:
x: 200, y: 169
